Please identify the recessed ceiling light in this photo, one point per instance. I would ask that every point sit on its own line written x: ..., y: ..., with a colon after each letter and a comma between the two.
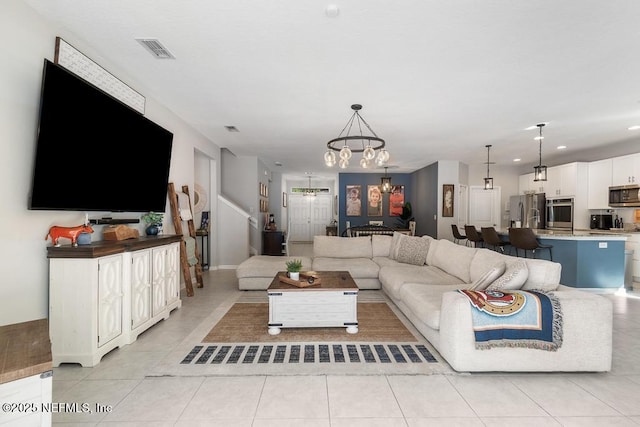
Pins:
x: 561, y: 147
x: 332, y: 11
x: 516, y: 160
x: 636, y: 127
x: 277, y: 163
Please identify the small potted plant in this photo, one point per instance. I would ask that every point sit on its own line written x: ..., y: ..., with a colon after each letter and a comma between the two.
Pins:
x: 293, y: 268
x: 153, y: 221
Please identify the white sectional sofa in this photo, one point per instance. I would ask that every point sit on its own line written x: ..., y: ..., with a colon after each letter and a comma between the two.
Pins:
x: 421, y: 276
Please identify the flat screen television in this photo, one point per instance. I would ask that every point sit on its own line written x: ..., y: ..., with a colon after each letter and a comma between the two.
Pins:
x: 94, y: 153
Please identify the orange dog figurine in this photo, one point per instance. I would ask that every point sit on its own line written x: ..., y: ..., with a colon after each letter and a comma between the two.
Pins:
x: 72, y: 233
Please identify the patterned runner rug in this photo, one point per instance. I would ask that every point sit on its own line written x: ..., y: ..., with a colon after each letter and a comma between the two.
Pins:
x: 237, y: 343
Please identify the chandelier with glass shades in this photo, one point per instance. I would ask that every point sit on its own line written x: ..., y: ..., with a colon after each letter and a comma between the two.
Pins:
x: 346, y: 144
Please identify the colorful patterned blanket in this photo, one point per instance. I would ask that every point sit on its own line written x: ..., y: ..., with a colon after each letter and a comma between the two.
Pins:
x: 531, y: 319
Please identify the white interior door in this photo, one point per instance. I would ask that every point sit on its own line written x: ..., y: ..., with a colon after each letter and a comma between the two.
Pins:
x: 308, y: 216
x: 484, y: 207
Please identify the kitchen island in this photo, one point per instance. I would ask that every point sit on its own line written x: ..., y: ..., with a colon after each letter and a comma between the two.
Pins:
x: 589, y: 258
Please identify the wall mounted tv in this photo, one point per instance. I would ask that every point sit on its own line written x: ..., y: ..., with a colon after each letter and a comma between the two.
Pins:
x: 94, y: 153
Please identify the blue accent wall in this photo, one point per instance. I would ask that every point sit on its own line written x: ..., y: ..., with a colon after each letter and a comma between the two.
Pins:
x: 365, y: 179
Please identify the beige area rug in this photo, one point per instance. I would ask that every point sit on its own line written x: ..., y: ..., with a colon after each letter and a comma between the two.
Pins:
x: 234, y: 341
x: 247, y: 322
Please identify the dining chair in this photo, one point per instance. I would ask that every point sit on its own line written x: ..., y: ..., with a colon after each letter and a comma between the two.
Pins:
x: 493, y: 239
x: 473, y: 236
x: 457, y: 237
x: 525, y: 239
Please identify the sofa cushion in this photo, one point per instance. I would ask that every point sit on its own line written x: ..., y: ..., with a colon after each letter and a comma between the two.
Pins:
x: 483, y: 260
x: 514, y: 277
x: 425, y: 301
x: 359, y: 268
x: 543, y: 275
x: 489, y: 277
x: 384, y: 261
x: 393, y: 278
x: 380, y: 245
x: 342, y: 247
x: 454, y: 259
x: 267, y: 266
x: 393, y: 247
x: 412, y: 250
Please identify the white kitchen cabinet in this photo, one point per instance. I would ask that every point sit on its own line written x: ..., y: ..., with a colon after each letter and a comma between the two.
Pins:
x: 527, y: 184
x: 562, y: 181
x: 599, y: 182
x: 626, y: 170
x: 103, y: 295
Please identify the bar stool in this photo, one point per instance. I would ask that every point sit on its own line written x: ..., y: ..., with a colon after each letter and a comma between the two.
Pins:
x: 491, y: 238
x: 525, y: 239
x: 457, y: 237
x: 473, y: 235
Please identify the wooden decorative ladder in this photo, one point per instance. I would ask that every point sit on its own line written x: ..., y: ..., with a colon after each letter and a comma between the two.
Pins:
x: 177, y: 224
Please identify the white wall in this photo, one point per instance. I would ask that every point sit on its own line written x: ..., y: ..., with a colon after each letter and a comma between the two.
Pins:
x: 24, y: 267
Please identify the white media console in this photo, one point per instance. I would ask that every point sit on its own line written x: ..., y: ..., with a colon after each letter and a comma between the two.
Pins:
x: 103, y: 295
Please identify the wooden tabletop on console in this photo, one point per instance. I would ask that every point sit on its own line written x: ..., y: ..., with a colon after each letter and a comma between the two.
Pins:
x: 330, y: 281
x: 25, y: 350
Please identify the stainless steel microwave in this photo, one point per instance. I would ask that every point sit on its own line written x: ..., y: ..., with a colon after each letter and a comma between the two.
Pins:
x: 624, y: 196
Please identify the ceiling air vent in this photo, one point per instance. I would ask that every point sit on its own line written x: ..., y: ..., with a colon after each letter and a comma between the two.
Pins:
x: 156, y: 48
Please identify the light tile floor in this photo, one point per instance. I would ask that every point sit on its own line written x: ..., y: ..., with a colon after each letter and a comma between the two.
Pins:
x: 120, y: 380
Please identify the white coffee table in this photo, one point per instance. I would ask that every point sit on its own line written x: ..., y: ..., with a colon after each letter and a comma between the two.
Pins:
x: 333, y: 303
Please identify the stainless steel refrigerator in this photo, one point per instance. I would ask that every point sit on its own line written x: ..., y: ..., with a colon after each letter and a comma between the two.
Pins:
x: 527, y: 211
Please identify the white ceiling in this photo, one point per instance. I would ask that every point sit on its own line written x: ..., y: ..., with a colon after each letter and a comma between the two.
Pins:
x: 438, y: 79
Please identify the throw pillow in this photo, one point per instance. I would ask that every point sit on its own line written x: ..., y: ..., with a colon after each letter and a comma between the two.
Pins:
x: 412, y: 250
x: 393, y: 249
x: 513, y: 278
x: 489, y: 277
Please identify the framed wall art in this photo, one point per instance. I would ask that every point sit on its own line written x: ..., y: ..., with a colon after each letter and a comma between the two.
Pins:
x: 354, y: 200
x: 396, y: 200
x: 374, y: 200
x: 447, y: 200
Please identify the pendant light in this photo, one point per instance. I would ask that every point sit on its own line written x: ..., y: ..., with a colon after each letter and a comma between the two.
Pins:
x: 540, y: 171
x: 385, y: 182
x: 488, y: 181
x: 371, y: 146
x: 309, y: 191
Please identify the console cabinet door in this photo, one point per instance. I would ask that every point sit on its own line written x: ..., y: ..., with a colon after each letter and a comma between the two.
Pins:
x: 172, y: 271
x: 109, y: 299
x: 159, y: 279
x: 140, y: 287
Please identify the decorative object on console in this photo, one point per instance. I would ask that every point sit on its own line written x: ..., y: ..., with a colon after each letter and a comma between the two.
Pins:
x: 72, y: 233
x: 488, y: 181
x: 373, y: 143
x: 540, y: 171
x: 293, y: 268
x: 154, y: 221
x: 199, y: 198
x: 204, y: 221
x: 119, y: 232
